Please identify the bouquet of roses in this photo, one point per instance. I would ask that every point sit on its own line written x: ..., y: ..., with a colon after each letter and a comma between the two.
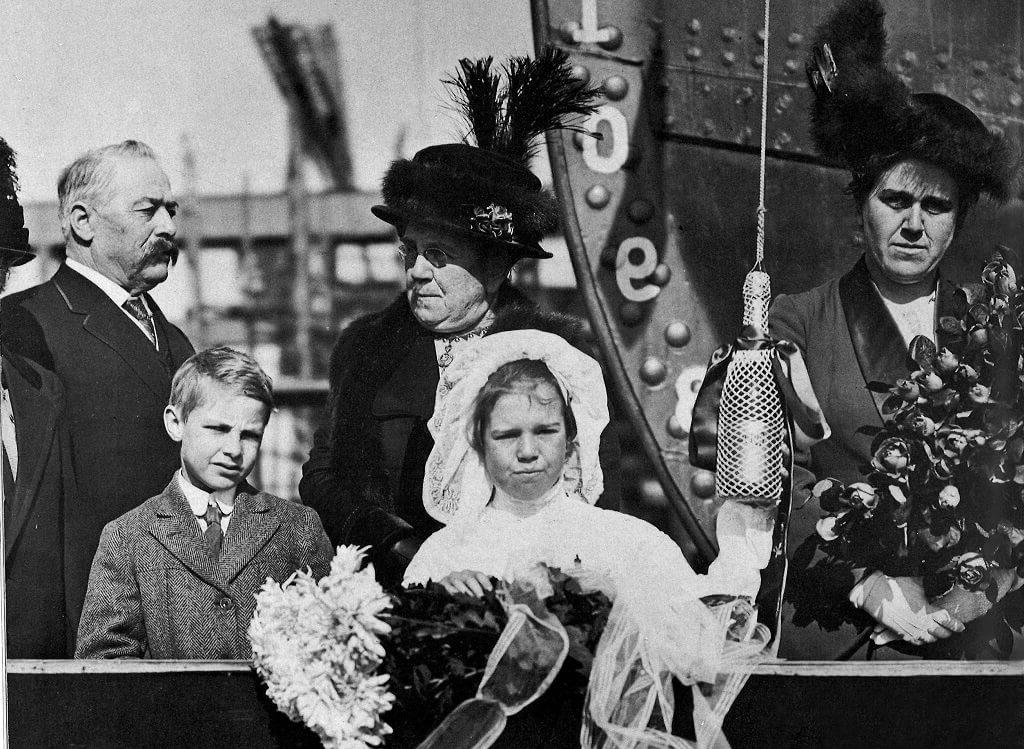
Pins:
x: 943, y: 497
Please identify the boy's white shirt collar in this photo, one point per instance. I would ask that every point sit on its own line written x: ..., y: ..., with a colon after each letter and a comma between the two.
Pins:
x: 198, y: 500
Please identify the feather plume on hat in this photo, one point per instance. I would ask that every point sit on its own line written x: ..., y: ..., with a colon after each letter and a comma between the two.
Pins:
x: 862, y: 112
x: 482, y: 187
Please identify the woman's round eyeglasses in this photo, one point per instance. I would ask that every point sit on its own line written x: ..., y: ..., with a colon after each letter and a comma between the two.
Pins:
x: 437, y: 258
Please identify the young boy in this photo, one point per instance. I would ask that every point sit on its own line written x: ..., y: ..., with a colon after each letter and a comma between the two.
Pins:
x: 176, y: 577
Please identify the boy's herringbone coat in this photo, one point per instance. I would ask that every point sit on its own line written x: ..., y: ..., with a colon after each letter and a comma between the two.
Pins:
x: 155, y: 591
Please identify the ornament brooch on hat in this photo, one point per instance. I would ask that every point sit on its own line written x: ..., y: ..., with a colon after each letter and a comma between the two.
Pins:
x: 482, y: 188
x: 13, y: 234
x: 864, y: 116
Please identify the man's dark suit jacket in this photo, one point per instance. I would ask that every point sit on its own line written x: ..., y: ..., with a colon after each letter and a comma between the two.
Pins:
x: 39, y: 624
x: 117, y: 385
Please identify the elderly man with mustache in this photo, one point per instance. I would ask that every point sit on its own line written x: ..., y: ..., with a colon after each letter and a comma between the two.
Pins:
x: 94, y: 325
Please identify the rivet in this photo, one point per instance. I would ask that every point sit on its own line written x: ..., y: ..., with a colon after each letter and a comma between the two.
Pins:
x: 1015, y: 99
x: 693, y: 26
x: 614, y: 40
x: 608, y: 257
x: 728, y: 58
x: 758, y: 61
x: 978, y: 95
x: 580, y: 73
x: 577, y: 140
x: 631, y: 314
x: 640, y: 211
x: 674, y: 428
x: 730, y: 34
x: 653, y: 371
x: 661, y: 276
x: 783, y: 139
x: 706, y: 89
x: 703, y: 483
x: 940, y: 87
x: 744, y: 95
x: 745, y: 135
x: 792, y: 66
x: 568, y: 31
x: 615, y: 87
x: 669, y: 120
x: 708, y: 127
x: 1017, y: 73
x: 909, y: 58
x: 598, y: 197
x: 677, y: 334
x: 760, y: 35
x: 783, y: 102
x: 943, y: 59
x: 980, y: 67
x: 795, y: 39
x: 692, y: 53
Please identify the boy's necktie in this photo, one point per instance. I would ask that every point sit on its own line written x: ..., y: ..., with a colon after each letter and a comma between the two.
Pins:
x: 213, y: 535
x: 137, y: 309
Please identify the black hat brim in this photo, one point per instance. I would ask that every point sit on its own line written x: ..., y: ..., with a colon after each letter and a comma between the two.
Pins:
x: 400, y: 220
x: 16, y: 257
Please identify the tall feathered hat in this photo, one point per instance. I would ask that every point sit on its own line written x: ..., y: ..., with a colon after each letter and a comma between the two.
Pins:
x: 864, y: 115
x: 483, y: 188
x: 13, y: 234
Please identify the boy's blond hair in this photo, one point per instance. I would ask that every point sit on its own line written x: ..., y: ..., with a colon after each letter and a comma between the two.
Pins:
x: 225, y: 366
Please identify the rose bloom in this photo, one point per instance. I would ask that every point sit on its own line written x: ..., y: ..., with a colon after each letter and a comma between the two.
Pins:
x: 953, y: 443
x: 892, y: 456
x: 949, y: 497
x: 972, y: 570
x: 967, y: 373
x: 929, y: 381
x: 979, y: 394
x: 908, y: 390
x: 946, y: 360
x: 937, y: 543
x: 1016, y: 535
x: 863, y: 494
x: 921, y: 424
x: 826, y: 527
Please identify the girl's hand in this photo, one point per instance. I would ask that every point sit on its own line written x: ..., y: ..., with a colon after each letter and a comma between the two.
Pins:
x: 469, y: 582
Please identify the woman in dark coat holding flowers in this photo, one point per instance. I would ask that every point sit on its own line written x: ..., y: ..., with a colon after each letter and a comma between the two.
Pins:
x: 464, y: 214
x: 919, y: 163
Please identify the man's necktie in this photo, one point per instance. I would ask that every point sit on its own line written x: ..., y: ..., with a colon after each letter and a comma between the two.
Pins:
x: 135, y: 308
x: 213, y: 535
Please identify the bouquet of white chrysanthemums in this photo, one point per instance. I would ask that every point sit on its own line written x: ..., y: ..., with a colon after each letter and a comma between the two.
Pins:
x: 317, y: 647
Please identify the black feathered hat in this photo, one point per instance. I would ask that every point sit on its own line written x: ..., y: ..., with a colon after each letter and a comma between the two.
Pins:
x: 863, y: 115
x: 485, y: 190
x: 13, y: 234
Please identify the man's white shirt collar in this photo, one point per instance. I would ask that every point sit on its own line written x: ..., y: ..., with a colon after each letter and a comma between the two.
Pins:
x: 118, y: 295
x: 198, y: 500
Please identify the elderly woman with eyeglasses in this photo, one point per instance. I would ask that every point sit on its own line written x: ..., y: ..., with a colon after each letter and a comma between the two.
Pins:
x: 464, y: 215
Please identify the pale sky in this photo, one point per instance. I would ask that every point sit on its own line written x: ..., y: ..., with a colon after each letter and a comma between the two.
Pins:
x: 83, y: 74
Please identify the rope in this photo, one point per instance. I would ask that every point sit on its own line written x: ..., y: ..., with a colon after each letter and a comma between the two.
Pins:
x: 761, y: 210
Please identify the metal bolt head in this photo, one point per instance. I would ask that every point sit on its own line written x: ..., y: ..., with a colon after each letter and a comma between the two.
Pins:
x: 703, y: 484
x: 614, y: 40
x: 598, y: 196
x: 942, y: 59
x: 980, y: 67
x: 791, y: 66
x: 757, y: 61
x: 694, y: 26
x: 693, y: 53
x: 795, y: 39
x: 640, y: 211
x: 580, y: 73
x: 653, y: 371
x: 1017, y: 74
x: 1015, y: 99
x: 760, y: 35
x: 744, y: 95
x: 730, y: 34
x: 978, y: 95
x: 631, y: 314
x: 728, y: 58
x: 615, y: 87
x: 783, y: 139
x: 674, y: 428
x: 661, y: 276
x: 677, y: 334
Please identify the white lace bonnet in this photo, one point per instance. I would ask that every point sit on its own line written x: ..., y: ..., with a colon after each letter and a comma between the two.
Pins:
x: 455, y: 481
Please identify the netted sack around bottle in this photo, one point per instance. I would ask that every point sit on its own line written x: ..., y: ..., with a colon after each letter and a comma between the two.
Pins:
x: 750, y: 424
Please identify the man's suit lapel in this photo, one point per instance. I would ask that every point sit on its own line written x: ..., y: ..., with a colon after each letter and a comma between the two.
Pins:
x: 35, y: 418
x: 253, y: 523
x: 177, y: 531
x: 105, y: 321
x: 177, y: 346
x: 877, y: 342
